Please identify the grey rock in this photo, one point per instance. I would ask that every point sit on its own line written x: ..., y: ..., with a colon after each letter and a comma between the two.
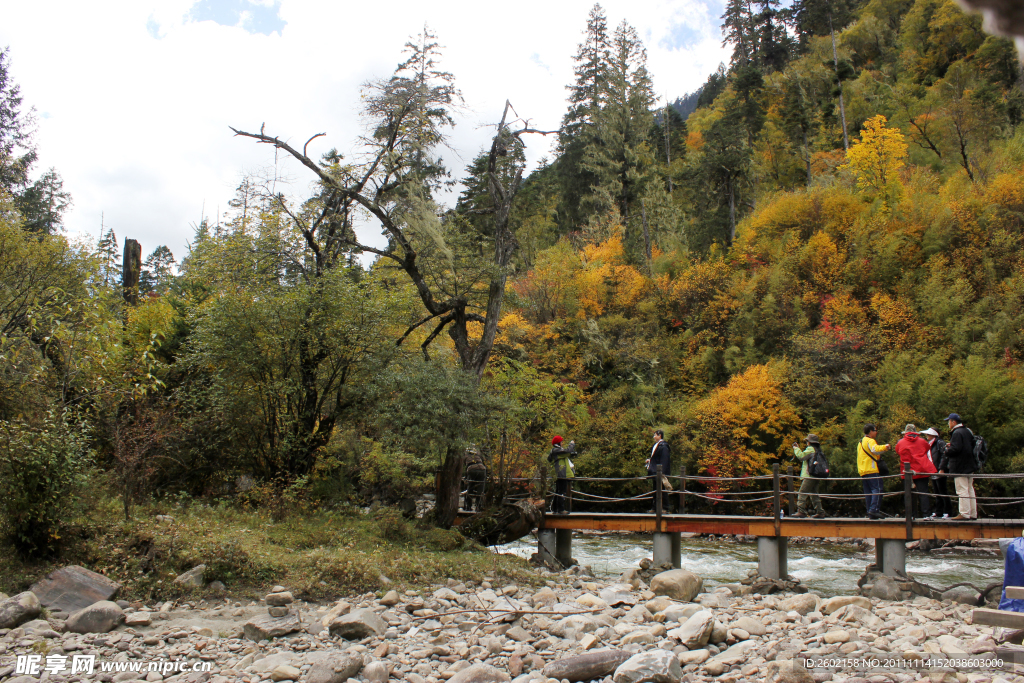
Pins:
x: 72, y: 588
x: 217, y: 587
x: 678, y: 584
x: 192, y: 578
x: 658, y: 666
x: 965, y: 595
x: 885, y: 588
x: 138, y: 619
x: 718, y: 633
x: 265, y: 627
x: 376, y: 672
x: 736, y: 654
x: 618, y: 594
x: 278, y: 611
x: 280, y: 599
x: 338, y: 668
x: 357, y: 625
x: 833, y: 604
x: 19, y: 609
x: 750, y: 625
x: 573, y: 625
x: 788, y: 671
x: 390, y: 599
x: 801, y: 604
x: 695, y: 631
x: 97, y: 618
x: 680, y: 613
x: 285, y: 672
x: 585, y: 667
x: 480, y: 673
x: 715, y: 600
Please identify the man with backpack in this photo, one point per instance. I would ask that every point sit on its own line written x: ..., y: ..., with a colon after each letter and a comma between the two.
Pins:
x: 962, y: 464
x: 937, y: 453
x: 913, y: 452
x: 813, y: 470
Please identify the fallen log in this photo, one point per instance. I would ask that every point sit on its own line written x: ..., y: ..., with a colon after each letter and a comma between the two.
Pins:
x: 503, y: 524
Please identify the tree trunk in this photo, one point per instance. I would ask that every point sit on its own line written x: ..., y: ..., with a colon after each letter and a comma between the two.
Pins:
x: 131, y: 269
x: 449, y: 484
x: 842, y: 107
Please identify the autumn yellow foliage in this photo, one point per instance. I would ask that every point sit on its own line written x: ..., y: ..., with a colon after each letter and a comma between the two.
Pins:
x: 877, y: 158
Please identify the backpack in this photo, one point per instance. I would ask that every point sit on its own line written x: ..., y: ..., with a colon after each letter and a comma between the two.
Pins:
x: 980, y: 450
x: 818, y: 467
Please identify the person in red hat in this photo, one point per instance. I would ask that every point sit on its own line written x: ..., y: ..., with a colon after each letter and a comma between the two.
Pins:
x: 559, y: 457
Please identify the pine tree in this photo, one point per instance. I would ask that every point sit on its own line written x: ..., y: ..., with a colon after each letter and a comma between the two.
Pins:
x: 109, y: 254
x: 157, y: 271
x: 17, y: 149
x: 44, y: 203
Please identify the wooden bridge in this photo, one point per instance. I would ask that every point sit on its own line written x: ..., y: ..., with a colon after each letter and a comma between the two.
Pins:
x: 772, y: 532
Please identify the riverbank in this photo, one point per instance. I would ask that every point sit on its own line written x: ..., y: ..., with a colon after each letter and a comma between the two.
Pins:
x: 488, y: 629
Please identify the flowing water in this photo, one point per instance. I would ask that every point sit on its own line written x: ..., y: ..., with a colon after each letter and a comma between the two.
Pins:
x: 829, y: 569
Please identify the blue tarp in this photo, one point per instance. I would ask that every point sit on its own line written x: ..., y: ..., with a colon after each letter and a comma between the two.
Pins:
x: 1013, y: 574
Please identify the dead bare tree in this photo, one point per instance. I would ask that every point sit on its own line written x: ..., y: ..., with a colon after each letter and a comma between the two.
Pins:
x: 383, y: 188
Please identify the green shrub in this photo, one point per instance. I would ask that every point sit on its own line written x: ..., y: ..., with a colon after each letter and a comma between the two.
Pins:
x: 39, y: 470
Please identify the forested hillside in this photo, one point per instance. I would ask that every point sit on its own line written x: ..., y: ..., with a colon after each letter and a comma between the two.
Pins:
x: 832, y: 236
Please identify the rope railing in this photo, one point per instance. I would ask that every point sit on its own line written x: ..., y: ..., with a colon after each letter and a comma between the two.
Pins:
x: 677, y: 488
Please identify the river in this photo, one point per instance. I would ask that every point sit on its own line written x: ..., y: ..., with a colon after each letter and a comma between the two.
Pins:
x: 825, y: 568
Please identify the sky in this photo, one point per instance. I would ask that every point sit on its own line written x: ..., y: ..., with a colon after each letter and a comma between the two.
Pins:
x: 134, y: 99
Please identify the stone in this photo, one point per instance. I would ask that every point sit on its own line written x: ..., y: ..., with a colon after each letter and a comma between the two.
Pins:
x: 285, y: 672
x: 678, y: 584
x: 833, y: 637
x: 342, y: 607
x: 265, y: 627
x: 337, y: 668
x: 72, y: 588
x: 693, y: 656
x: 19, y: 609
x: 695, y: 631
x: 357, y: 625
x: 572, y: 625
x: 100, y: 617
x: 217, y: 587
x: 138, y: 619
x: 618, y: 594
x: 518, y: 634
x: 750, y: 625
x: 788, y: 671
x: 193, y: 578
x: 659, y: 604
x: 640, y: 637
x: 657, y: 666
x: 376, y: 672
x: 278, y: 611
x: 716, y: 600
x: 964, y: 595
x: 736, y: 654
x: 279, y: 599
x: 545, y: 597
x: 278, y: 589
x: 591, y: 601
x: 589, y: 641
x: 885, y: 588
x: 801, y: 604
x: 680, y: 613
x: 718, y: 633
x: 585, y: 667
x: 390, y: 599
x: 834, y: 604
x: 480, y: 673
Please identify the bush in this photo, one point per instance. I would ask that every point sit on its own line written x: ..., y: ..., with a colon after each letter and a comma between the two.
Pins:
x: 39, y: 470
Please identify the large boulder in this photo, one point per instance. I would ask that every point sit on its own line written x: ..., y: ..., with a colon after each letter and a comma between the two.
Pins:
x: 98, y: 618
x: 965, y: 595
x: 358, y: 624
x: 480, y: 673
x: 585, y: 667
x: 193, y: 578
x: 657, y: 666
x: 265, y: 627
x: 886, y: 588
x: 337, y: 668
x: 19, y: 609
x: 72, y: 588
x: 678, y: 584
x: 695, y: 631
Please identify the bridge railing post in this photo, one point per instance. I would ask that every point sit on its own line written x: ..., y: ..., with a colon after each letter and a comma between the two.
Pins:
x: 908, y: 499
x: 776, y: 498
x: 682, y: 490
x: 792, y: 498
x: 657, y: 496
x: 568, y: 494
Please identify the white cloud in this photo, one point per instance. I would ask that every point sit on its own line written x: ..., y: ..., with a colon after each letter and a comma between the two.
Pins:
x: 138, y: 96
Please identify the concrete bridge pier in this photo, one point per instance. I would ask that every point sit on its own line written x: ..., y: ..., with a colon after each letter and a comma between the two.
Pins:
x: 667, y: 548
x: 891, y: 555
x: 771, y: 557
x: 546, y: 543
x: 563, y: 546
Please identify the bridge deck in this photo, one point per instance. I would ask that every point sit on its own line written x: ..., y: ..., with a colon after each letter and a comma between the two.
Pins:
x: 894, y: 528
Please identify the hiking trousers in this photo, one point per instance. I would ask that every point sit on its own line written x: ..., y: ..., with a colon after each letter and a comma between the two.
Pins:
x: 809, y: 488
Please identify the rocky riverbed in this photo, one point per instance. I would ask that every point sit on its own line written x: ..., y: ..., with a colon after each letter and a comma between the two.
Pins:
x: 572, y: 628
